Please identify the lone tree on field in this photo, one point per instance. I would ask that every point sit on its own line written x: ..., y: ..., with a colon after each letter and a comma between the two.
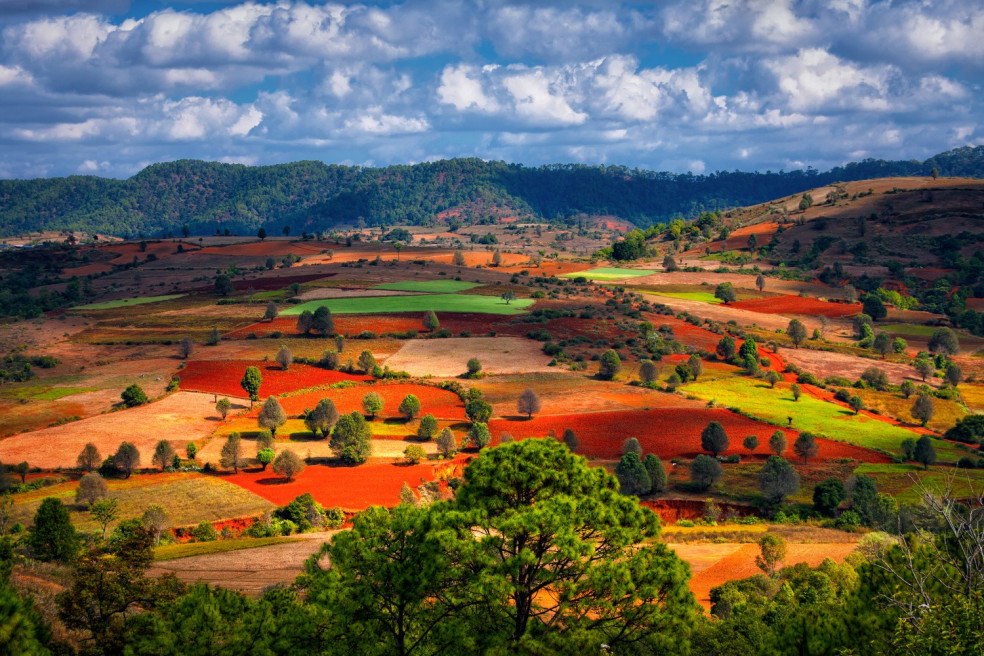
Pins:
x: 104, y: 511
x: 797, y: 332
x: 91, y: 489
x: 367, y: 362
x: 478, y: 435
x: 223, y: 285
x: 805, y: 446
x: 924, y: 452
x: 570, y: 439
x: 52, y: 537
x: 478, y: 410
x: 271, y: 311
x: 458, y: 259
x: 945, y: 341
x: 133, y: 396
x: 528, y: 404
x: 696, y: 366
x: 272, y: 415
x: 725, y: 291
x: 304, y: 321
x: 191, y: 450
x: 773, y: 548
x: 288, y: 464
x: 777, y: 479
x: 796, y: 391
x: 669, y: 264
x: 223, y: 406
x: 352, y: 439
x: 232, y: 453
x: 372, y: 403
x: 882, y: 344
x: 474, y: 367
x: 714, y: 439
x: 925, y: 368
x: 760, y: 282
x: 777, y: 443
x: 323, y: 418
x: 508, y: 296
x: 126, y: 458
x: 923, y: 409
x: 772, y: 377
x: 908, y: 388
x: 284, y: 357
x: 631, y: 445
x: 427, y: 427
x: 726, y: 348
x: 705, y: 471
x: 410, y: 407
x: 185, y: 348
x: 163, y: 455
x: 648, y: 372
x: 265, y: 457
x: 89, y: 458
x: 611, y: 364
x: 446, y: 444
x: 874, y: 307
x: 251, y: 382
x: 751, y: 443
x: 430, y: 321
x: 953, y: 375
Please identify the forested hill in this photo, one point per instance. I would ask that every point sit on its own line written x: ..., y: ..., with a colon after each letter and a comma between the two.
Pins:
x: 313, y: 196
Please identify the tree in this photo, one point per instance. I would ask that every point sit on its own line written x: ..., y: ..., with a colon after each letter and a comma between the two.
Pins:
x: 882, y: 344
x: 409, y: 407
x: 797, y: 332
x: 458, y: 259
x: 669, y: 264
x: 827, y: 495
x: 760, y: 282
x: 777, y: 443
x: 133, y: 396
x: 474, y: 367
x: 89, y: 458
x: 874, y: 307
x: 508, y: 296
x: 329, y: 360
x: 725, y: 291
x: 772, y: 377
x: 478, y: 435
x: 431, y: 322
x: 265, y: 457
x: 322, y: 321
x: 372, y: 404
x: 352, y: 439
x: 52, y: 537
x: 407, y: 496
x: 232, y: 453
x: 714, y: 439
x: 570, y: 440
x: 696, y: 366
x: 223, y: 406
x: 805, y: 446
x: 858, y: 322
x: 104, y: 511
x: 322, y: 418
x: 446, y: 444
x: 288, y: 464
x: 223, y: 285
x: 945, y: 341
x: 953, y: 375
x: 251, y: 382
x: 427, y: 427
x: 272, y: 415
x: 656, y: 470
x: 185, y: 348
x: 726, y: 348
x: 875, y: 378
x: 751, y: 443
x: 414, y: 454
x: 924, y: 452
x: 856, y: 403
x: 648, y: 372
x: 704, y: 472
x: 284, y: 358
x: 925, y: 368
x: 777, y: 479
x: 773, y: 552
x: 611, y: 364
x: 366, y: 361
x: 126, y: 458
x: 907, y: 388
x: 633, y: 478
x: 478, y: 410
x: 923, y: 409
x: 261, y: 233
x: 155, y: 519
x: 528, y: 404
x: 91, y: 488
x: 631, y: 445
x: 305, y: 320
x: 271, y: 311
x: 796, y: 391
x: 163, y: 455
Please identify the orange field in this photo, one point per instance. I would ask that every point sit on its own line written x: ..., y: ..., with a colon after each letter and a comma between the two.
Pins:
x: 790, y: 304
x: 440, y: 403
x: 223, y: 376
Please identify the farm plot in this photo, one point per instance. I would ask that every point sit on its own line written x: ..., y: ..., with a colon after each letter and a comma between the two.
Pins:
x: 825, y: 363
x: 429, y: 286
x: 448, y: 357
x: 799, y: 305
x: 223, y: 377
x: 183, y: 417
x: 608, y: 273
x: 440, y: 403
x: 422, y: 303
x: 388, y: 443
x: 900, y: 480
x: 126, y: 302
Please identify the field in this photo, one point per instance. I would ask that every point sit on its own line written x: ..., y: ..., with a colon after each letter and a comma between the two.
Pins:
x: 127, y: 302
x: 798, y: 305
x: 435, y: 302
x: 607, y: 273
x: 223, y: 377
x: 448, y: 357
x: 430, y: 286
x: 703, y: 297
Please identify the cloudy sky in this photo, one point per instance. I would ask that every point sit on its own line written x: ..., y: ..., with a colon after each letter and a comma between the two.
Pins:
x: 109, y: 86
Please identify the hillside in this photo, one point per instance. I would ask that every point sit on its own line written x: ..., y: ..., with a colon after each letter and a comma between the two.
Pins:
x: 313, y: 196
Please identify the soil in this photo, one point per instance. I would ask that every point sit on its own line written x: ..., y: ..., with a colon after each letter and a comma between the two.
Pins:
x: 448, y: 357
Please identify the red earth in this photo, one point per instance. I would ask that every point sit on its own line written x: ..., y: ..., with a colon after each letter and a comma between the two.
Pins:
x: 223, y: 376
x: 687, y: 333
x: 790, y: 304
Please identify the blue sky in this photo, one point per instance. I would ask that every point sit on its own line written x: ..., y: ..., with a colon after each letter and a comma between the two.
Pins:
x: 106, y: 87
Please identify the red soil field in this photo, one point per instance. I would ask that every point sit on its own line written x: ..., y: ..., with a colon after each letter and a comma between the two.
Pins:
x: 268, y: 249
x: 667, y: 432
x: 686, y: 333
x: 440, y: 403
x: 798, y: 305
x: 350, y: 488
x: 739, y: 238
x: 672, y: 510
x: 223, y: 376
x: 127, y: 251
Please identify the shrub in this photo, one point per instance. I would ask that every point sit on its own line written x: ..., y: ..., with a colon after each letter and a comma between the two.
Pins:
x: 427, y: 427
x: 133, y: 396
x: 704, y: 472
x: 204, y: 532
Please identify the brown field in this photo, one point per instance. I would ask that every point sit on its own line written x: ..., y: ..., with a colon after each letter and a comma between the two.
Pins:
x: 447, y: 357
x: 824, y: 363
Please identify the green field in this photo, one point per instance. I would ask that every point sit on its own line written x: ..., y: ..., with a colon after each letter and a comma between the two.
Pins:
x: 431, y: 286
x: 703, y: 297
x: 901, y: 480
x: 436, y: 302
x: 126, y: 302
x: 607, y: 273
x: 184, y: 550
x: 43, y: 392
x: 910, y: 329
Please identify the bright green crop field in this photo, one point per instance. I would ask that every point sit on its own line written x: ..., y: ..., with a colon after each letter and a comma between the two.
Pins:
x: 703, y: 297
x: 125, y: 302
x: 431, y: 286
x: 607, y: 273
x: 436, y: 302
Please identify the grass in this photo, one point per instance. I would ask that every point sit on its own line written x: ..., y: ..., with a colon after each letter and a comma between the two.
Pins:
x: 945, y: 413
x: 43, y: 393
x: 126, y: 302
x: 973, y: 396
x: 435, y: 302
x: 910, y: 329
x: 188, y: 549
x: 607, y: 273
x: 900, y: 480
x: 703, y: 297
x: 432, y: 286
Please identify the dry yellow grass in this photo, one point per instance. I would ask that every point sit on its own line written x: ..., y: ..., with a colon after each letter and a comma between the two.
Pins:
x: 898, y: 407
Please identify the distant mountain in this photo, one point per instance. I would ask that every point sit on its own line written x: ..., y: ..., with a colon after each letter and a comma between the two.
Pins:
x: 313, y: 196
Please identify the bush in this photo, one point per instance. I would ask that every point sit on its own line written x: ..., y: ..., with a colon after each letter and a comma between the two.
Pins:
x: 133, y: 396
x: 204, y: 532
x: 704, y: 472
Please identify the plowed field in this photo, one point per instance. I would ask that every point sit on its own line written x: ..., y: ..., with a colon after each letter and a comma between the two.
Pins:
x: 223, y: 376
x: 798, y: 305
x: 440, y: 403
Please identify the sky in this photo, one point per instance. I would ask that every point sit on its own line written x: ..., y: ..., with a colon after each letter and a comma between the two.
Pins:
x: 106, y: 87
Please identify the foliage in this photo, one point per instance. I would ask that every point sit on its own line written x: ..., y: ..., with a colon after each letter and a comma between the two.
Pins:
x: 478, y: 410
x: 232, y: 453
x: 414, y: 454
x: 726, y: 292
x: 288, y: 464
x: 773, y: 552
x: 777, y: 479
x: 714, y: 439
x: 478, y: 435
x: 657, y: 472
x: 924, y: 453
x: 427, y: 427
x: 92, y: 487
x: 611, y: 364
x: 923, y: 409
x: 827, y: 496
x: 52, y: 536
x: 126, y: 458
x: 133, y: 396
x: 704, y: 472
x: 446, y: 443
x: 272, y: 415
x: 633, y: 477
x: 322, y: 418
x: 372, y: 403
x: 351, y: 441
x: 410, y: 407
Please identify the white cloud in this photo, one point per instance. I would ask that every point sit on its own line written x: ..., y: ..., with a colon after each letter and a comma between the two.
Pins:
x: 460, y: 89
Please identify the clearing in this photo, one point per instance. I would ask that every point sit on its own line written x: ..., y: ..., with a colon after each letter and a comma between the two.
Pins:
x: 448, y: 357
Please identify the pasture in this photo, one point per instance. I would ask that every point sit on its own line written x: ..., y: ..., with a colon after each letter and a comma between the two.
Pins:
x: 422, y: 303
